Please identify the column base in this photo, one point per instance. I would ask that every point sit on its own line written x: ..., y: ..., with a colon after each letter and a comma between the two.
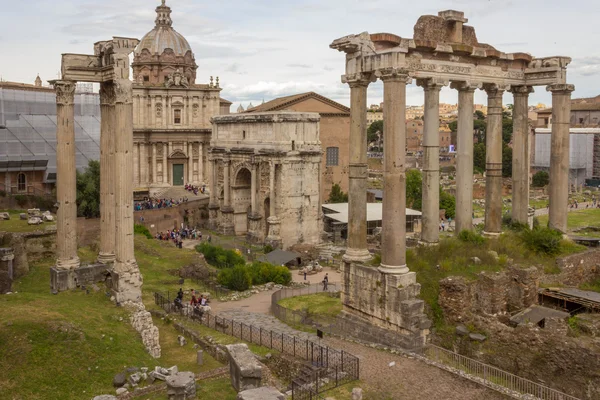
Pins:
x: 491, y: 235
x: 106, y: 258
x: 393, y: 269
x: 427, y: 244
x: 68, y: 264
x: 357, y: 255
x: 126, y: 282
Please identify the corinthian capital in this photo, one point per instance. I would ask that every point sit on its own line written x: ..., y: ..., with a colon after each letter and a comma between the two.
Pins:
x: 560, y: 87
x: 495, y: 89
x: 466, y: 86
x: 123, y: 91
x: 397, y: 74
x: 65, y: 92
x: 521, y: 90
x: 432, y: 84
x: 108, y: 95
x: 358, y: 80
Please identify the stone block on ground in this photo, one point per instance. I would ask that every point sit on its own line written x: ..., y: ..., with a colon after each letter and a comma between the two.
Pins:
x: 462, y: 330
x: 262, y: 393
x: 357, y: 394
x: 23, y: 216
x: 48, y: 218
x: 119, y: 380
x: 34, y: 212
x: 200, y: 357
x: 105, y: 397
x: 244, y: 368
x: 181, y: 386
x: 121, y: 391
x: 4, y: 216
x: 34, y: 221
x: 181, y: 340
x: 477, y: 337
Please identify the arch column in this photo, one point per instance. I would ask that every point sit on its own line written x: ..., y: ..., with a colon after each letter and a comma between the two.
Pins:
x: 227, y: 223
x: 357, y: 172
x: 464, y: 162
x: 493, y: 166
x: 213, y: 205
x: 273, y: 237
x: 107, y: 173
x: 66, y: 192
x: 190, y: 162
x: 166, y: 174
x: 154, y: 172
x: 393, y: 234
x: 430, y: 232
x: 559, y: 155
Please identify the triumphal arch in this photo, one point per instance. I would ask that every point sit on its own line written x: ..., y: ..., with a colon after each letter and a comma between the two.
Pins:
x: 443, y: 51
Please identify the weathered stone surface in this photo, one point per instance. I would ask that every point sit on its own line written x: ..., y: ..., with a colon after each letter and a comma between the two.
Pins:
x: 244, y: 368
x: 182, y: 341
x: 200, y: 357
x: 357, y: 394
x: 181, y: 386
x: 23, y: 216
x: 4, y: 216
x: 462, y: 330
x: 34, y: 221
x: 262, y: 393
x: 119, y: 379
x: 105, y: 397
x: 477, y: 337
x: 142, y: 322
x: 121, y: 391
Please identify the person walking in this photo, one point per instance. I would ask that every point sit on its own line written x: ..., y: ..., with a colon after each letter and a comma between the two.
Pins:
x: 325, y: 282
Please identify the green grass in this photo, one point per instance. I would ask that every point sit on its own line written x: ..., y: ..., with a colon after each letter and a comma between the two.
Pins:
x: 217, y: 388
x: 322, y: 305
x: 578, y: 219
x: 593, y: 286
x: 15, y: 224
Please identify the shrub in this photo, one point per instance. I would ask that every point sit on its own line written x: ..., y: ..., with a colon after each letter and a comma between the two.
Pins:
x: 540, y: 179
x: 262, y: 273
x: 219, y: 257
x: 542, y: 240
x: 21, y: 200
x: 471, y: 237
x: 236, y: 278
x: 142, y: 230
x: 267, y: 248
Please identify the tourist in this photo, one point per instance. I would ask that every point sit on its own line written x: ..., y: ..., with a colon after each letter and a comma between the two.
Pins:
x: 325, y: 282
x: 443, y: 226
x: 203, y: 300
x: 304, y: 273
x: 194, y: 301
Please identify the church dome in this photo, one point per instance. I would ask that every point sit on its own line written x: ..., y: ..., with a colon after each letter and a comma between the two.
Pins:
x: 163, y: 51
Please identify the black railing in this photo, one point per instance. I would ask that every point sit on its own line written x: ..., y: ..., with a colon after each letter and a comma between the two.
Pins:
x: 338, y: 366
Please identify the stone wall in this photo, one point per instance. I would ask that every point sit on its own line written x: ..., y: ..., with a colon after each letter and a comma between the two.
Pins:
x: 492, y: 293
x: 385, y: 301
x: 576, y: 269
x: 28, y: 247
x: 161, y: 220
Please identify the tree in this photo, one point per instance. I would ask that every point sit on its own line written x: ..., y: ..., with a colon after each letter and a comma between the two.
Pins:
x: 88, y: 191
x: 453, y: 126
x: 414, y: 189
x: 507, y: 130
x: 480, y: 127
x: 479, y: 158
x: 506, y: 161
x: 336, y: 195
x: 447, y: 203
x: 479, y: 115
x: 373, y: 129
x: 540, y: 179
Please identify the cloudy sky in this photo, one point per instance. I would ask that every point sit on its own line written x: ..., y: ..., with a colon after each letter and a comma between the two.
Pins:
x: 262, y: 49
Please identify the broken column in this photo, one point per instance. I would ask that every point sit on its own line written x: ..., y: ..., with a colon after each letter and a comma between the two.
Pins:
x: 559, y: 155
x: 393, y: 233
x: 430, y: 233
x: 181, y: 386
x: 464, y: 162
x: 66, y: 179
x: 357, y: 250
x: 6, y: 269
x: 520, y: 160
x: 493, y: 164
x: 107, y: 173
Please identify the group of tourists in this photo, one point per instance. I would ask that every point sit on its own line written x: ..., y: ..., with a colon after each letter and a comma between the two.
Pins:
x: 199, y: 302
x: 179, y: 235
x: 152, y: 204
x: 195, y: 189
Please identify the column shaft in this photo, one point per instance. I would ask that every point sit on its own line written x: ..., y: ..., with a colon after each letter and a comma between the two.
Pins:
x: 493, y: 166
x: 520, y: 160
x: 226, y: 184
x: 190, y: 162
x: 393, y: 234
x: 165, y: 163
x: 200, y: 162
x: 464, y: 163
x: 213, y: 182
x: 143, y: 164
x: 357, y: 173
x: 107, y: 174
x: 559, y: 155
x: 253, y: 188
x: 66, y: 192
x: 430, y: 232
x: 272, y: 190
x: 154, y: 172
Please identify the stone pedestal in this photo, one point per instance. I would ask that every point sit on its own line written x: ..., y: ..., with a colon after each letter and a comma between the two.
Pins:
x: 181, y: 386
x: 213, y: 216
x: 227, y: 226
x: 6, y: 270
x: 244, y: 369
x: 254, y: 234
x: 262, y: 393
x: 273, y: 239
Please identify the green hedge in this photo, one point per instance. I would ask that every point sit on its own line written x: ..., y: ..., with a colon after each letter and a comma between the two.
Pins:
x: 542, y: 240
x: 219, y: 257
x: 241, y: 277
x: 236, y: 278
x: 142, y: 230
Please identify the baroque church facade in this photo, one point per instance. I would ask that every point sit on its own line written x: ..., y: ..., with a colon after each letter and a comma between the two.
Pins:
x: 172, y: 113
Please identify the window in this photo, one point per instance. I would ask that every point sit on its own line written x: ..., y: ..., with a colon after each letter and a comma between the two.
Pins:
x: 21, y: 182
x: 243, y: 134
x: 332, y: 157
x: 177, y: 116
x: 146, y: 78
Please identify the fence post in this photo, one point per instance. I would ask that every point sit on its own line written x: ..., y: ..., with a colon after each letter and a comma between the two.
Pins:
x: 294, y: 345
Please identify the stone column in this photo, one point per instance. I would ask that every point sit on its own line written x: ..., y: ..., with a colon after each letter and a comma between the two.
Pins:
x: 143, y: 164
x: 493, y: 159
x: 190, y: 162
x: 464, y: 163
x: 357, y: 193
x: 107, y: 173
x: 227, y: 225
x: 393, y: 233
x: 430, y: 232
x: 254, y: 232
x: 66, y: 192
x: 273, y: 237
x: 213, y: 204
x: 129, y: 280
x: 165, y: 165
x: 253, y: 189
x: 200, y: 163
x: 520, y: 160
x: 559, y: 155
x: 154, y: 169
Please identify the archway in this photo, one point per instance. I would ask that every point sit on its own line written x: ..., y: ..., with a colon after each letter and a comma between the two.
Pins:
x: 241, y: 199
x: 21, y: 182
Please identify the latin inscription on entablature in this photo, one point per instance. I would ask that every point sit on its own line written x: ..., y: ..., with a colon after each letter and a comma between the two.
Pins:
x: 414, y: 65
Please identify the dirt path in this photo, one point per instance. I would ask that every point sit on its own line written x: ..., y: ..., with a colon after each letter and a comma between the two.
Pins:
x: 409, y: 379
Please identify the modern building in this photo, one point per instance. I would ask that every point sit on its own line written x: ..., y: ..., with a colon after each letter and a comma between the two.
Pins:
x: 334, y: 134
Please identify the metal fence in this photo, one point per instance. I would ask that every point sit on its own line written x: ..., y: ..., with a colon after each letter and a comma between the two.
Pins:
x: 213, y: 288
x: 332, y: 367
x: 301, y: 317
x: 490, y: 376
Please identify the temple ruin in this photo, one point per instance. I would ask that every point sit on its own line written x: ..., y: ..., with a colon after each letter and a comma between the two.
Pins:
x: 444, y: 51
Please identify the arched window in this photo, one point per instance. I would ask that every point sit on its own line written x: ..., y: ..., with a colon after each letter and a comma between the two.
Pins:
x: 21, y: 182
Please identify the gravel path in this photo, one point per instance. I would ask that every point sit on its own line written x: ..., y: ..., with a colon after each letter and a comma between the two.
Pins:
x: 409, y: 379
